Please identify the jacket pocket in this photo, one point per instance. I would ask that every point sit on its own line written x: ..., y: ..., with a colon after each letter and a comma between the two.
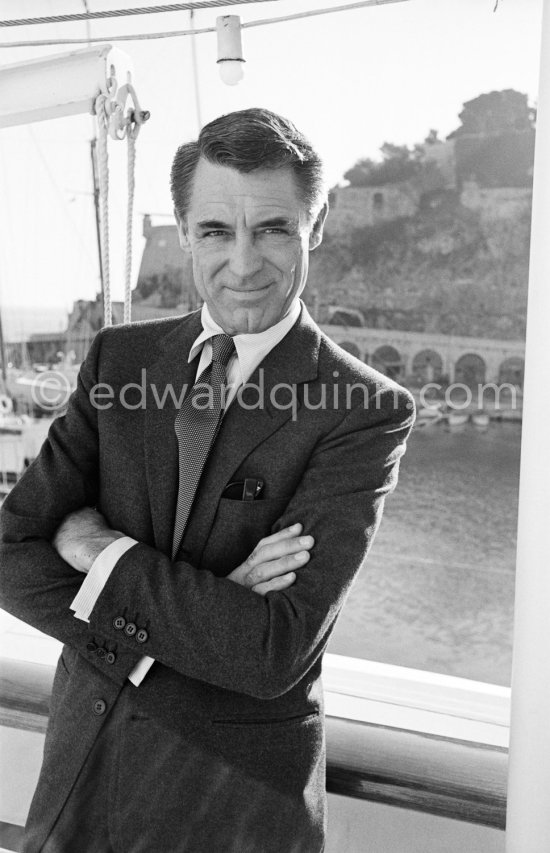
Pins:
x: 237, y: 529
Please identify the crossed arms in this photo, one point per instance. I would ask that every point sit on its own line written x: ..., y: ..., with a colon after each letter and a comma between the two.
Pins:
x: 84, y: 534
x: 214, y: 628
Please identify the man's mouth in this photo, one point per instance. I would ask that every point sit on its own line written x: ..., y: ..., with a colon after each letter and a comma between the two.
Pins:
x: 245, y: 292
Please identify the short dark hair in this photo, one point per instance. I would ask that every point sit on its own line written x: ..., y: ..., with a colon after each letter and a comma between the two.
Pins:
x: 247, y: 140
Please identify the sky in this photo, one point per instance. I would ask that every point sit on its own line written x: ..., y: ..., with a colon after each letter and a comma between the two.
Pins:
x: 350, y: 80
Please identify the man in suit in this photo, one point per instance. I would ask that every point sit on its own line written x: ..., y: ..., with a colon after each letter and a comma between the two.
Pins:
x: 187, y: 707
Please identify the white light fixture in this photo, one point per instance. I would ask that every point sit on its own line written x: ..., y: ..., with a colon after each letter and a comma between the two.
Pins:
x: 230, y: 49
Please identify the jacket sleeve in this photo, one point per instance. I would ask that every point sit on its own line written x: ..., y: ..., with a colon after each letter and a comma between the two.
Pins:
x: 215, y: 630
x: 36, y: 585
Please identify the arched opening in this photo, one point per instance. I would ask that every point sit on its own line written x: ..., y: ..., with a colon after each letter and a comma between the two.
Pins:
x: 511, y: 370
x: 427, y: 366
x: 350, y: 347
x: 387, y: 360
x: 470, y: 369
x: 340, y: 316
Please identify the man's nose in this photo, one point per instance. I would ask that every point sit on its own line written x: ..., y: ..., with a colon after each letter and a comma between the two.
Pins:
x: 245, y: 259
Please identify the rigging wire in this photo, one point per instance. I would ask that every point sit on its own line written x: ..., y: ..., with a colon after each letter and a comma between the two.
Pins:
x: 61, y: 198
x: 93, y: 152
x: 123, y: 13
x: 195, y: 67
x: 259, y: 23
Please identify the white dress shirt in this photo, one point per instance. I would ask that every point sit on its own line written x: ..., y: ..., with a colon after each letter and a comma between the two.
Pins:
x: 250, y: 351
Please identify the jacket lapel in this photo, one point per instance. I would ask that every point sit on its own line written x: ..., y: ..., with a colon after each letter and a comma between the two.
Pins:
x: 169, y: 377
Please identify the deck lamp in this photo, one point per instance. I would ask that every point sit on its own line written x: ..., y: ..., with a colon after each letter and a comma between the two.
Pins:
x: 230, y: 49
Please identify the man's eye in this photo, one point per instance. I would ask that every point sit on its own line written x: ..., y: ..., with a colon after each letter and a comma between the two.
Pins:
x: 275, y: 231
x: 215, y: 233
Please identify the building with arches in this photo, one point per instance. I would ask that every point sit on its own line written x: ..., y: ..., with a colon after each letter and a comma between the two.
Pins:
x: 418, y: 357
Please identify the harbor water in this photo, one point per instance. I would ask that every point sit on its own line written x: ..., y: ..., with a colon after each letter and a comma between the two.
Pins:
x: 437, y: 590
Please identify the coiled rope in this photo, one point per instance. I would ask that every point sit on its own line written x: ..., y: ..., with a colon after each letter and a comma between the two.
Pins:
x: 103, y: 176
x: 111, y: 121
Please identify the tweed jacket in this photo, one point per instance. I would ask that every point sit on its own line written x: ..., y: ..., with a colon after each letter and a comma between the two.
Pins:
x: 232, y: 709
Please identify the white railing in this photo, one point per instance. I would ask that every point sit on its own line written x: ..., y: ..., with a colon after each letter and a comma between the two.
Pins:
x: 398, y: 736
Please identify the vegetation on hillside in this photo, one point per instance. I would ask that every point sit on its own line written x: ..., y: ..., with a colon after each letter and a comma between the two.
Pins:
x: 445, y: 270
x: 494, y: 145
x: 448, y: 269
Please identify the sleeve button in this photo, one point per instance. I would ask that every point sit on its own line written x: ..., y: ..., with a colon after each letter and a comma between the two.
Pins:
x: 119, y: 622
x: 101, y: 652
x: 142, y: 636
x: 91, y: 646
x: 99, y: 707
x: 110, y: 657
x: 130, y: 629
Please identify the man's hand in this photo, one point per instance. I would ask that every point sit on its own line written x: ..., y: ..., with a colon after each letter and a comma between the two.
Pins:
x: 273, y: 562
x: 82, y: 536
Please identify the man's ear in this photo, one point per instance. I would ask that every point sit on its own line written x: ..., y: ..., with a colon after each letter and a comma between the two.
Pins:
x: 182, y: 232
x: 316, y: 234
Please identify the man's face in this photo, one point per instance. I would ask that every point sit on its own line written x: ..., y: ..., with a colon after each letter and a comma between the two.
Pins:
x: 250, y: 236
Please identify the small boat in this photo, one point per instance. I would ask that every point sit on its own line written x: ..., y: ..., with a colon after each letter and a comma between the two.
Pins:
x: 457, y: 420
x: 430, y: 415
x: 12, y: 424
x: 480, y: 419
x: 21, y: 438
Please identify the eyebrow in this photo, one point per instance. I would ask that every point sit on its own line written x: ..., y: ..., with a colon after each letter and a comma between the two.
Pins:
x: 212, y: 224
x: 275, y: 222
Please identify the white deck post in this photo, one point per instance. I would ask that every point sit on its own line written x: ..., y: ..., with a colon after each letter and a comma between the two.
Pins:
x: 528, y: 826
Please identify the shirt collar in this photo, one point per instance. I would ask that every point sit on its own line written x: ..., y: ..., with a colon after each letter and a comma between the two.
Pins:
x: 251, y: 348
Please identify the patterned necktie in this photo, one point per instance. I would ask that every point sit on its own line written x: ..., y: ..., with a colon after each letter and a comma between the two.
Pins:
x: 196, y: 426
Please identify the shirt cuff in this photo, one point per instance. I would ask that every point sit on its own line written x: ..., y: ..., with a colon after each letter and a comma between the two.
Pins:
x: 86, y: 597
x: 140, y: 671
